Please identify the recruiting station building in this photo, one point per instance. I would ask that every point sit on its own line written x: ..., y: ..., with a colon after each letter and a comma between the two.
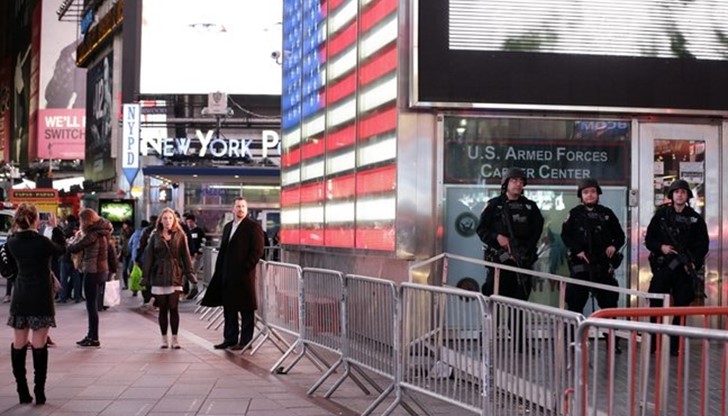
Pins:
x: 400, y: 117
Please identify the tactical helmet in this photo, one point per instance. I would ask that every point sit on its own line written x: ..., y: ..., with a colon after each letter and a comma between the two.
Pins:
x: 679, y: 184
x: 587, y: 183
x: 513, y: 173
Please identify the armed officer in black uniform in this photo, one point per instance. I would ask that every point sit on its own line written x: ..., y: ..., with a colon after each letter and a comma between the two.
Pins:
x: 593, y: 237
x: 510, y: 227
x: 677, y: 238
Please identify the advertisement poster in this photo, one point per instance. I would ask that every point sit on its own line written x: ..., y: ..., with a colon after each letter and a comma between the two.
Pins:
x: 62, y: 95
x: 98, y: 164
x: 18, y: 150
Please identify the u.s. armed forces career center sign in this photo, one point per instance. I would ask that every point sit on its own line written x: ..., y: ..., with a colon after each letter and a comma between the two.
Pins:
x: 545, y: 162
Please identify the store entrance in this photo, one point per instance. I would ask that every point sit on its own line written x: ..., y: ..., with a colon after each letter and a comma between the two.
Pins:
x: 668, y: 152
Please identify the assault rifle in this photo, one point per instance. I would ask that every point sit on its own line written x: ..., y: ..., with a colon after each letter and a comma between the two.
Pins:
x: 517, y: 253
x: 683, y: 258
x: 597, y: 258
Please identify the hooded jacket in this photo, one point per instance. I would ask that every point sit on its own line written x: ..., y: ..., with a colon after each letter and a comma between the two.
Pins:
x: 95, y: 246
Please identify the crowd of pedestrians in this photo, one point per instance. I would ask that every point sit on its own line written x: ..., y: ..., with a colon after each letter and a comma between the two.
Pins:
x: 57, y: 262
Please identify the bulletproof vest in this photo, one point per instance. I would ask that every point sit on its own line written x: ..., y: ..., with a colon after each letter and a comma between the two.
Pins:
x: 594, y: 224
x: 519, y: 214
x: 679, y: 224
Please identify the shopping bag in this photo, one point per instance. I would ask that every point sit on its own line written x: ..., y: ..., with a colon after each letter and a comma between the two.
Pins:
x: 112, y: 293
x: 135, y: 278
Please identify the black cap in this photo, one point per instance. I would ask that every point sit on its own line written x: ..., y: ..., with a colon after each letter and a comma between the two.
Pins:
x: 587, y: 183
x: 679, y: 184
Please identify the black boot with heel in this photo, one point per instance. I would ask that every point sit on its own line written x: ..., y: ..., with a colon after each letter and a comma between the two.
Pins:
x: 40, y: 365
x: 18, y: 360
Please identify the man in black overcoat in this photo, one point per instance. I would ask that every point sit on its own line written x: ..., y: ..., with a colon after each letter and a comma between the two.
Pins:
x: 233, y: 283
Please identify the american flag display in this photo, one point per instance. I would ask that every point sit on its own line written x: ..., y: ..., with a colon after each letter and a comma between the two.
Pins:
x: 339, y: 123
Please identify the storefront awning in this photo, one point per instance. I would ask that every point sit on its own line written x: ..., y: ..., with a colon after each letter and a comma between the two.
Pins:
x: 211, y: 174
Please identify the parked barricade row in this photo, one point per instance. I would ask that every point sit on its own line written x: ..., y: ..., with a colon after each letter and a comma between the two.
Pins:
x: 450, y: 344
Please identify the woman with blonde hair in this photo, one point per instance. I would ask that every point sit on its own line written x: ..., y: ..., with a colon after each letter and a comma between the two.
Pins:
x: 32, y: 306
x: 95, y: 265
x: 167, y: 263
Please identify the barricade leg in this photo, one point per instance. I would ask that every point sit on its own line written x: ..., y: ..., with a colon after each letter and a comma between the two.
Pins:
x: 347, y: 373
x: 277, y: 340
x: 326, y: 375
x: 278, y: 366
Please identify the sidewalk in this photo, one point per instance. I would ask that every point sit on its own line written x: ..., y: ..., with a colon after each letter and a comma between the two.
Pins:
x: 131, y: 375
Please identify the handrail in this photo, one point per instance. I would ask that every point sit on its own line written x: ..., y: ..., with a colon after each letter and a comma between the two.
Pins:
x: 543, y: 275
x: 665, y: 311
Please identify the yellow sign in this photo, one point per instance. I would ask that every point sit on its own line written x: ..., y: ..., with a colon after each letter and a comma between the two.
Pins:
x: 46, y: 200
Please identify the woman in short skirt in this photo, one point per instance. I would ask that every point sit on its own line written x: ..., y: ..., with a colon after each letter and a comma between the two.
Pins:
x: 31, y: 309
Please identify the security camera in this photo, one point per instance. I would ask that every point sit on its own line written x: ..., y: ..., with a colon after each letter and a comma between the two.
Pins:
x: 275, y: 55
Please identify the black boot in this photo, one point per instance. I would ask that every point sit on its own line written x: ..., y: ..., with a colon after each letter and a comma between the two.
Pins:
x: 18, y: 359
x: 40, y: 365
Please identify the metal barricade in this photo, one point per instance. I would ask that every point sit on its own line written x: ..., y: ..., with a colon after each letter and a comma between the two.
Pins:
x: 321, y: 298
x: 418, y: 271
x: 284, y: 310
x: 209, y: 257
x: 688, y: 381
x: 325, y: 320
x: 214, y: 315
x: 444, y: 346
x: 272, y: 253
x: 264, y: 332
x: 371, y: 313
x: 532, y: 356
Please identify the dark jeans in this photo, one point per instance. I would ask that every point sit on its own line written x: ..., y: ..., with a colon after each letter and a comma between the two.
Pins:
x: 70, y: 281
x: 126, y: 270
x: 233, y: 328
x: 92, y: 284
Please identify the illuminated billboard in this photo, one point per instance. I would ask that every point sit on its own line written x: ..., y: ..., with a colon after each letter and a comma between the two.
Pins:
x: 62, y: 95
x: 624, y: 55
x: 339, y: 124
x: 216, y: 45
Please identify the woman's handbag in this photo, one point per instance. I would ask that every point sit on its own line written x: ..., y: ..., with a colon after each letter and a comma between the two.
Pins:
x: 112, y: 293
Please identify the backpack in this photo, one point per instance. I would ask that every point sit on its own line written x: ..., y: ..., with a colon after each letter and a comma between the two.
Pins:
x: 8, y: 266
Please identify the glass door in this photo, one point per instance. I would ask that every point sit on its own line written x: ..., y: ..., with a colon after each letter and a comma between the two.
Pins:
x: 668, y: 152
